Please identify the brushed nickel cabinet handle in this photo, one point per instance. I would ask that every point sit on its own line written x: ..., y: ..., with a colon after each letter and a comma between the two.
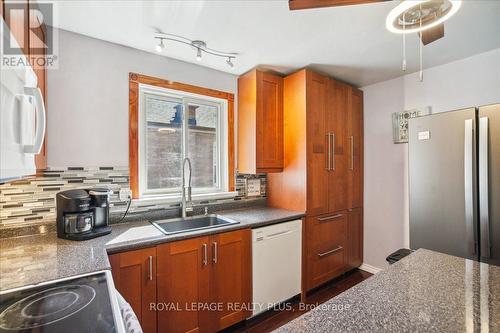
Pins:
x: 352, y: 152
x: 338, y: 248
x: 214, y: 244
x: 329, y: 157
x: 333, y: 151
x: 326, y: 218
x: 205, y: 254
x: 150, y: 271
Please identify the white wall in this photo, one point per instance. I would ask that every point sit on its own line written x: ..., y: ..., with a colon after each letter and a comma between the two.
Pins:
x: 468, y: 82
x: 88, y: 97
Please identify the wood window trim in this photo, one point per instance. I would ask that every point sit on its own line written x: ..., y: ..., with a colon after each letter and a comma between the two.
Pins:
x: 133, y: 116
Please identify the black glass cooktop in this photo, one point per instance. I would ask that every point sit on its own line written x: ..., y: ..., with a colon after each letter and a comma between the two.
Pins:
x: 77, y: 305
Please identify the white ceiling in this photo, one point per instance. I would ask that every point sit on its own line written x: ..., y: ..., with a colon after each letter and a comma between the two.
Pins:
x: 350, y: 43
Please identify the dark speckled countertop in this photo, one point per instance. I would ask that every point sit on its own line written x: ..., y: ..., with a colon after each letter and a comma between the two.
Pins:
x: 33, y: 259
x: 424, y: 292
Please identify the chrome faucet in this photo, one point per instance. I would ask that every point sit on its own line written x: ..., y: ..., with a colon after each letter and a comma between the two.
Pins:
x: 186, y: 205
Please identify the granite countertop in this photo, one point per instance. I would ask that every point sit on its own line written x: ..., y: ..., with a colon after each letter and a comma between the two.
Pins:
x: 424, y: 292
x: 33, y: 259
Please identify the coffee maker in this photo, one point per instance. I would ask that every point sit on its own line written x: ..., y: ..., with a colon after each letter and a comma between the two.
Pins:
x: 83, y: 214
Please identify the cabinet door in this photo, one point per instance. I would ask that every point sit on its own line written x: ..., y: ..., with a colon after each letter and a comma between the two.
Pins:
x: 231, y: 277
x: 134, y: 274
x: 183, y: 283
x: 338, y: 109
x: 355, y: 238
x: 269, y: 122
x: 326, y: 242
x: 355, y: 146
x: 317, y: 144
x: 37, y: 38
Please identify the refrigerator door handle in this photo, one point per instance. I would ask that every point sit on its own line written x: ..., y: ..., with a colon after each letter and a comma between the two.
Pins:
x: 484, y: 216
x: 469, y: 185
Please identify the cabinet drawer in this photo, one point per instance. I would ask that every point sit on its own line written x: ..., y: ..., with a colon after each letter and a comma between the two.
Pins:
x: 326, y: 248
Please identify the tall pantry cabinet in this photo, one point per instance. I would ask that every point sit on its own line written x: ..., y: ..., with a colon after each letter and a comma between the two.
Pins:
x: 323, y: 171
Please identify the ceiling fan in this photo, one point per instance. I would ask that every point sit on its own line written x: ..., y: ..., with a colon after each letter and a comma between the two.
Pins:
x: 425, y: 17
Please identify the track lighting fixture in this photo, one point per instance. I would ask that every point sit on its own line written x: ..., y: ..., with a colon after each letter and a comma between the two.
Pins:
x: 199, y: 45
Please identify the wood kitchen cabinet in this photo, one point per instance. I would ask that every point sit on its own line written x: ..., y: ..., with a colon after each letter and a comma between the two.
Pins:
x: 355, y: 137
x: 260, y: 122
x: 354, y: 256
x: 327, y: 241
x: 323, y: 173
x: 209, y: 272
x: 183, y: 280
x: 134, y: 275
x: 231, y: 281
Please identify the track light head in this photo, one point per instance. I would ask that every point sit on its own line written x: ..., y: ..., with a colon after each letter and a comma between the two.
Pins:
x: 229, y: 62
x: 160, y: 46
x: 198, y: 54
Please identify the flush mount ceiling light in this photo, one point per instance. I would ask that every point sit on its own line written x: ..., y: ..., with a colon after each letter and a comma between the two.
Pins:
x: 199, y: 45
x: 419, y: 15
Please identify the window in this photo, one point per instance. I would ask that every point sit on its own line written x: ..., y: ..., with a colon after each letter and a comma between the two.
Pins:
x: 173, y: 124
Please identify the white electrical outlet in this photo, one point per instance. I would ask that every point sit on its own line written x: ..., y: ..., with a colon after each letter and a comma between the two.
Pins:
x: 125, y: 194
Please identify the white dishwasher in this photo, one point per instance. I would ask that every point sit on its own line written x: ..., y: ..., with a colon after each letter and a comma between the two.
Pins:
x: 277, y: 264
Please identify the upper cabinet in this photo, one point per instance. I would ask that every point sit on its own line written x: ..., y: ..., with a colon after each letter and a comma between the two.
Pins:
x: 260, y: 122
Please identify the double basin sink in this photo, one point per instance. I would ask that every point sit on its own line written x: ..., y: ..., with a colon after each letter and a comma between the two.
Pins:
x: 193, y: 223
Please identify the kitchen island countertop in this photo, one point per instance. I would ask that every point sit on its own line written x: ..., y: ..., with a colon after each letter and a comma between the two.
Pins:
x: 29, y: 260
x: 424, y: 292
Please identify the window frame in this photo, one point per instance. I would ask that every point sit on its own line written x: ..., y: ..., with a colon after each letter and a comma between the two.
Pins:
x: 138, y: 82
x: 185, y: 98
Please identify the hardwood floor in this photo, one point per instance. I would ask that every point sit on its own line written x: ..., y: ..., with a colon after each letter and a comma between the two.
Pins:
x: 271, y: 319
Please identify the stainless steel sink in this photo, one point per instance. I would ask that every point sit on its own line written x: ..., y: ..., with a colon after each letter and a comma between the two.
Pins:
x: 178, y: 225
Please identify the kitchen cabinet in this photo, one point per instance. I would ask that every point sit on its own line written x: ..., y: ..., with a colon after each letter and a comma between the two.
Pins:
x: 134, y: 275
x: 207, y: 272
x: 327, y: 240
x: 183, y: 280
x: 31, y: 34
x: 323, y: 173
x: 355, y: 137
x: 260, y: 122
x: 354, y: 256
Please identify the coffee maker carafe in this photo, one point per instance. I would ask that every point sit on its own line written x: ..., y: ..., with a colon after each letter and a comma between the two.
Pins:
x: 83, y: 214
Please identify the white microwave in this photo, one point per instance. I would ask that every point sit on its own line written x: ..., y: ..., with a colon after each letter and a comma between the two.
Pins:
x: 22, y: 118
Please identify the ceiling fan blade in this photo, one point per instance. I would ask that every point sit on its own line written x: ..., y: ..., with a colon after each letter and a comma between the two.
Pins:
x: 307, y: 4
x: 430, y: 35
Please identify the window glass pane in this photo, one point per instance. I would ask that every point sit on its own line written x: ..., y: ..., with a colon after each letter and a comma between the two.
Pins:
x: 163, y: 142
x: 202, y: 144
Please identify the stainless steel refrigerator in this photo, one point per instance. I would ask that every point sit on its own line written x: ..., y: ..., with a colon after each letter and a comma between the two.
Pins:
x: 454, y: 183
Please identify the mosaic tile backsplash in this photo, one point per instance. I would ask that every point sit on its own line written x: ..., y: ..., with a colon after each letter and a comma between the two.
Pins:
x: 32, y: 200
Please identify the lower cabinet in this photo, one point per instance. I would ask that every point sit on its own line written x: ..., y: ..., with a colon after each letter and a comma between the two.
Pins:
x: 354, y: 238
x: 334, y: 245
x: 134, y: 275
x: 326, y: 248
x: 195, y: 285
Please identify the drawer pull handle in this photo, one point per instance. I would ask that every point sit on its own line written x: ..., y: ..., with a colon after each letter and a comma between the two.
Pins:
x: 338, y: 248
x: 326, y: 218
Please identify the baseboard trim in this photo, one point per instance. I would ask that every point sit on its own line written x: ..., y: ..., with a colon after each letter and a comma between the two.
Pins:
x: 370, y: 268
